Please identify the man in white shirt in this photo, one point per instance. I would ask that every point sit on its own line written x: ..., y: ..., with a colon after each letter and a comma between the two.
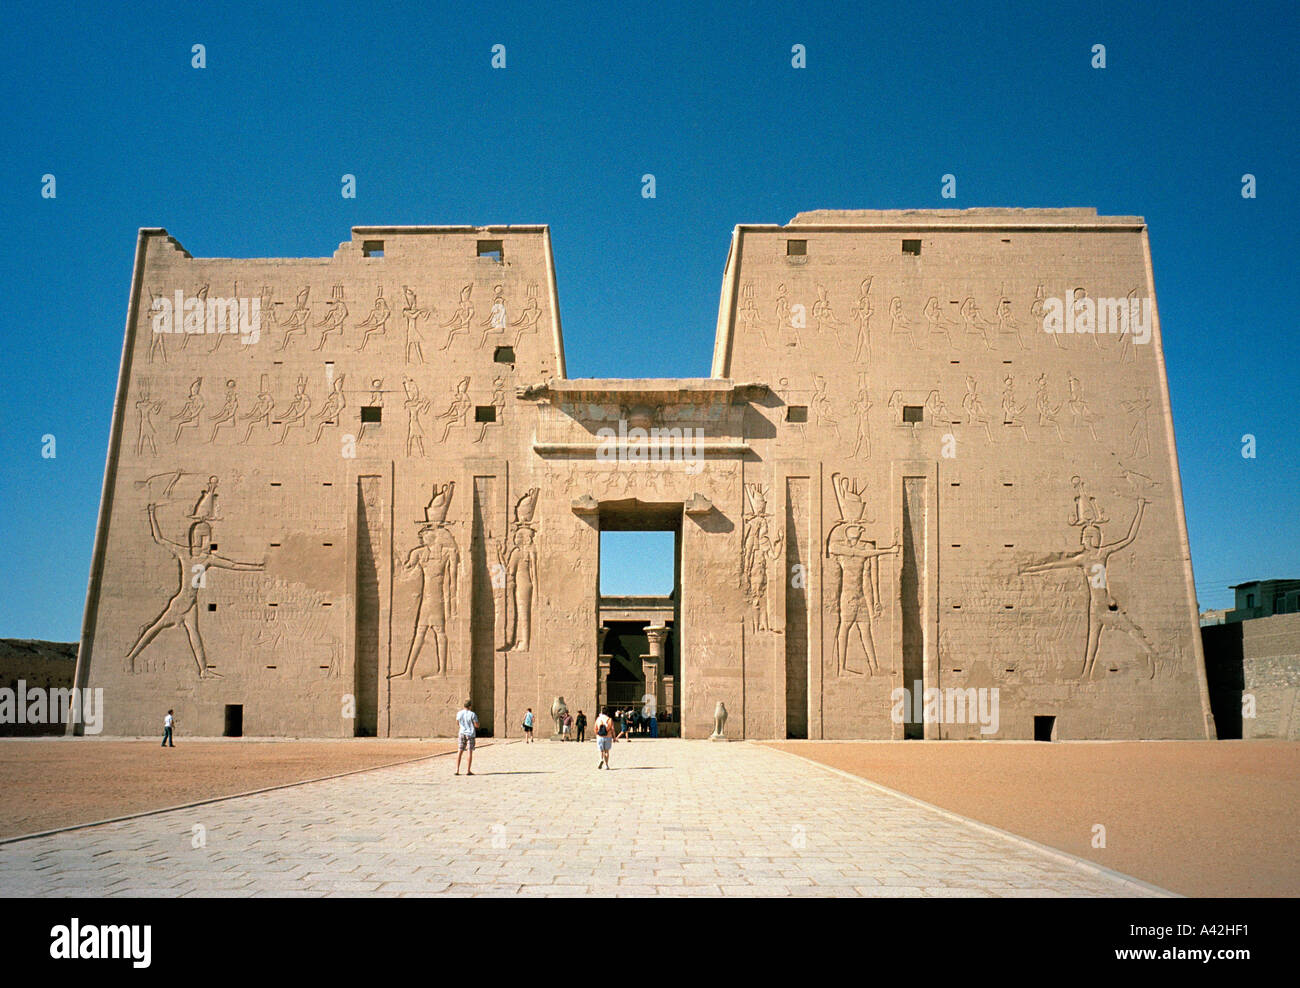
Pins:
x: 468, y: 723
x: 169, y: 722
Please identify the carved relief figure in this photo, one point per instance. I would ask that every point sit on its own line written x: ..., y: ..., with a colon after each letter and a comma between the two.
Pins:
x: 857, y: 573
x: 1126, y: 352
x: 1079, y: 411
x: 226, y: 415
x: 749, y: 315
x: 156, y: 344
x: 1139, y: 432
x: 531, y: 314
x: 974, y: 323
x: 821, y: 404
x: 336, y: 310
x: 376, y: 401
x: 1007, y: 325
x: 188, y: 416
x: 329, y: 411
x: 415, y: 407
x: 784, y: 322
x: 201, y: 297
x: 146, y: 408
x: 520, y: 567
x: 413, y: 314
x: 377, y: 320
x: 937, y: 327
x: 974, y: 407
x: 295, y: 415
x: 498, y: 402
x: 861, y: 405
x: 298, y: 318
x: 759, y: 547
x: 1047, y: 412
x: 193, y: 560
x: 1103, y: 610
x: 496, y: 321
x: 1038, y: 315
x: 900, y: 330
x: 457, y: 412
x: 437, y: 559
x: 460, y: 320
x: 260, y: 412
x: 825, y: 315
x: 1011, y: 409
x: 862, y: 316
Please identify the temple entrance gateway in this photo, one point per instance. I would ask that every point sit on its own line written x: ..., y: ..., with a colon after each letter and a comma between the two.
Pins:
x: 638, y: 661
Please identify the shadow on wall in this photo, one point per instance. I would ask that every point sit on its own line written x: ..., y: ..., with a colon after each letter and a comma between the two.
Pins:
x: 1225, y: 676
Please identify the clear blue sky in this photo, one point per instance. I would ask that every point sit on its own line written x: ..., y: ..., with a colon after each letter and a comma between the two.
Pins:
x: 244, y: 158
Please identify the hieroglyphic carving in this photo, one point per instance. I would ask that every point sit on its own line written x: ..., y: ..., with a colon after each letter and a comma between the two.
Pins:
x: 460, y: 320
x: 299, y: 318
x: 413, y: 314
x: 193, y: 559
x: 938, y: 335
x: 749, y: 315
x: 520, y: 567
x: 1048, y: 413
x: 759, y: 548
x: 974, y: 407
x: 1080, y: 414
x: 188, y: 416
x: 1092, y: 560
x: 1007, y: 325
x: 201, y: 298
x: 226, y: 414
x: 415, y: 407
x: 295, y: 416
x: 900, y: 330
x: 260, y: 412
x: 336, y: 311
x: 146, y: 408
x: 156, y: 344
x: 1012, y: 411
x: 860, y: 407
x: 457, y: 412
x: 784, y: 318
x: 821, y: 404
x: 330, y: 409
x: 824, y: 315
x: 974, y: 324
x: 498, y: 402
x: 437, y: 558
x: 496, y: 321
x: 862, y: 316
x: 1139, y: 432
x: 856, y: 577
x: 530, y: 316
x: 377, y: 321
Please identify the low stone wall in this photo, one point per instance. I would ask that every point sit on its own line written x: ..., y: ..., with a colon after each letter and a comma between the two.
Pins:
x: 1259, y: 661
x: 39, y: 665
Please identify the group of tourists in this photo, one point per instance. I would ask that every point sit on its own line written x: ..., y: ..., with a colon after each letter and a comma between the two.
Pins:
x: 608, y: 729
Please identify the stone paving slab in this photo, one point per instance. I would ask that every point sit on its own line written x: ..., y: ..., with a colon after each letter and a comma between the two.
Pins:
x: 680, y: 818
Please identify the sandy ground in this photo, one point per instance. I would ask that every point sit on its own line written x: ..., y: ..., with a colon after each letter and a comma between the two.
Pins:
x: 1203, y: 818
x: 56, y: 782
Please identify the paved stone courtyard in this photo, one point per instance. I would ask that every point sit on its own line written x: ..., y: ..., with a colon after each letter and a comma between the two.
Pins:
x: 672, y: 818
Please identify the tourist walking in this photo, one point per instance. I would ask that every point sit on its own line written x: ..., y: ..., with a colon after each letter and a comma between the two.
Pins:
x: 606, y: 732
x: 169, y: 723
x: 467, y: 721
x: 581, y: 725
x: 622, y: 724
x: 568, y: 726
x: 528, y: 726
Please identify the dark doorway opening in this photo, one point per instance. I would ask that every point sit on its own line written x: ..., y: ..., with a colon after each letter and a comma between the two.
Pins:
x: 1044, y: 728
x: 234, y: 720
